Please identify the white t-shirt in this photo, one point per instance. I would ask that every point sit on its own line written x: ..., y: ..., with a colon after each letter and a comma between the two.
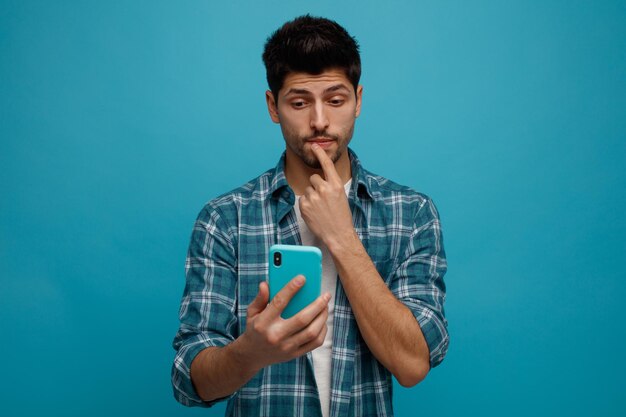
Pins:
x: 322, y: 355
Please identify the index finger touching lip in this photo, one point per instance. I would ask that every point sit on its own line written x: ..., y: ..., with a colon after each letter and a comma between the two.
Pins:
x: 327, y: 164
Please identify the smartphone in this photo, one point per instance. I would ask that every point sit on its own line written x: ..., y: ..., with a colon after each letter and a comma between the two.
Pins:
x: 287, y: 261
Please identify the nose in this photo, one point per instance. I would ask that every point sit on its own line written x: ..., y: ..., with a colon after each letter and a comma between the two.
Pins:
x: 319, y: 119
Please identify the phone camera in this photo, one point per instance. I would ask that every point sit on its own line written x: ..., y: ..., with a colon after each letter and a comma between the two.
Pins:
x: 277, y: 258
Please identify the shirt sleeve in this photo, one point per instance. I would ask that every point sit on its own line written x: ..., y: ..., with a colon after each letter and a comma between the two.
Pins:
x: 418, y: 280
x: 208, y: 307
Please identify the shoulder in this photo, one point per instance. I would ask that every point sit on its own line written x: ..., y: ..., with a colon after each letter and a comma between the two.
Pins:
x: 392, y: 193
x: 400, y: 204
x: 226, y: 206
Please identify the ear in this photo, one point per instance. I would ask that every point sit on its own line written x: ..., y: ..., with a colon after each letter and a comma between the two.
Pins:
x: 272, y: 107
x: 359, y: 96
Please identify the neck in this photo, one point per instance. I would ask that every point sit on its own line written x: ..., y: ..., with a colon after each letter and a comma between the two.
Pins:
x: 298, y: 173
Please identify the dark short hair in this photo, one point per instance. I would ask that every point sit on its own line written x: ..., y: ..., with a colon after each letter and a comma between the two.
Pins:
x: 312, y: 45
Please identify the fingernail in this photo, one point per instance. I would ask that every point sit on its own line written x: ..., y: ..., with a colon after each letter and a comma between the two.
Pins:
x: 315, y: 145
x: 299, y: 281
x: 327, y: 297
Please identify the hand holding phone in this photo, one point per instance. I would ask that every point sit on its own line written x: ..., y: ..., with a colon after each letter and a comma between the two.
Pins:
x: 270, y: 339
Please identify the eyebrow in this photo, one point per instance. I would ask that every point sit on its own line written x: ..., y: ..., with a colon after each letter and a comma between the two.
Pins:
x: 304, y: 91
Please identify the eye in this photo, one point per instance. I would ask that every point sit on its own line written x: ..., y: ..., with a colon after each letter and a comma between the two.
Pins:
x: 336, y: 101
x: 298, y: 104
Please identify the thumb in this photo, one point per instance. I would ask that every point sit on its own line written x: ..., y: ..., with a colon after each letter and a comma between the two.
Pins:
x: 261, y: 300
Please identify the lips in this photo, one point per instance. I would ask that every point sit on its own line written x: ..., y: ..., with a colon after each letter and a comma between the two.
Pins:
x: 320, y: 140
x: 323, y: 143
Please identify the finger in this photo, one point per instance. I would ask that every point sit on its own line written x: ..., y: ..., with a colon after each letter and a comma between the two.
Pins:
x: 327, y: 164
x: 316, y: 181
x: 260, y: 302
x: 313, y: 344
x: 312, y: 331
x: 307, y: 314
x: 282, y: 298
x: 309, y: 191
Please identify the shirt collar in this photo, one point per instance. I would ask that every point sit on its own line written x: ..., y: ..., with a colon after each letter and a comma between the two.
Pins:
x: 279, y: 187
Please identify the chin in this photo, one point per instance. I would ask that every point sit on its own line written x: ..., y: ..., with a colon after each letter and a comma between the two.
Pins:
x: 312, y: 161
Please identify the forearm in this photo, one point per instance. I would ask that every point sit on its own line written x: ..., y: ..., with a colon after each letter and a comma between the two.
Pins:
x: 388, y: 327
x: 217, y: 372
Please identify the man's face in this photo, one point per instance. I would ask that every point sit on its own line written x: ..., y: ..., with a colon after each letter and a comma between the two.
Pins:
x: 316, y: 109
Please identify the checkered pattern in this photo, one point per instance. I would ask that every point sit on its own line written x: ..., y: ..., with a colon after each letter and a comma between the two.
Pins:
x: 228, y: 258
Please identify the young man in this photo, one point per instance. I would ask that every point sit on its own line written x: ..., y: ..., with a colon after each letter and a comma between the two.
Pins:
x: 381, y: 310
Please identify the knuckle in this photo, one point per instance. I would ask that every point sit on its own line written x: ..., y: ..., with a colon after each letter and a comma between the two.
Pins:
x: 322, y: 335
x: 278, y: 301
x: 256, y: 326
x: 285, y: 348
x: 310, y: 334
x: 299, y: 321
x: 272, y: 339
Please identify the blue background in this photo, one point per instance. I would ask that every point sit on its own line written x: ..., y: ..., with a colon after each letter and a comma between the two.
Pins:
x: 120, y: 119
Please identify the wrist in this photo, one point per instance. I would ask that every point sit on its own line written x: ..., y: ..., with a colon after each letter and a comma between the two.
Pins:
x: 343, y: 243
x: 242, y: 351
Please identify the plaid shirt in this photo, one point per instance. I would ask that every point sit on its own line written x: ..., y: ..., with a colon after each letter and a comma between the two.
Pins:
x: 228, y: 258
